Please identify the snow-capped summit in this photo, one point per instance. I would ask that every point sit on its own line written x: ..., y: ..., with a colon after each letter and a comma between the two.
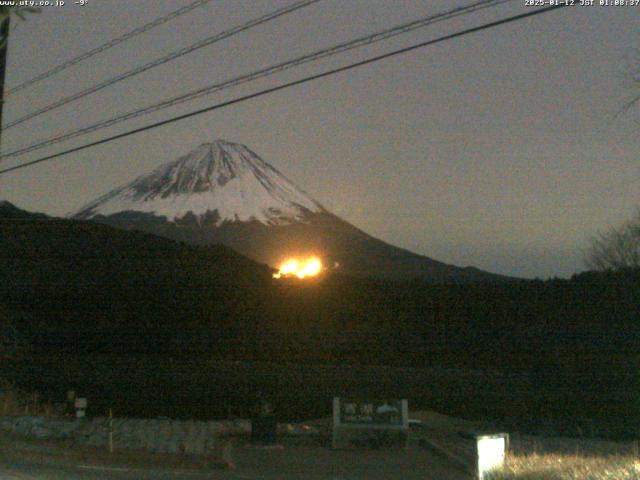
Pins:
x: 223, y: 193
x: 224, y: 181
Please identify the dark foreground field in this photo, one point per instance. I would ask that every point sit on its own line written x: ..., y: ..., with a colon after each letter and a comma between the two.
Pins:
x: 151, y: 327
x: 206, y: 388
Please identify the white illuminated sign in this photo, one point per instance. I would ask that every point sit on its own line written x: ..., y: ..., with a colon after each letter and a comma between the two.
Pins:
x: 491, y: 452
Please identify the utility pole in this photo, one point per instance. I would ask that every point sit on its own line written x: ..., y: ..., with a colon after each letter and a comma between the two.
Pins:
x: 4, y: 47
x: 5, y: 21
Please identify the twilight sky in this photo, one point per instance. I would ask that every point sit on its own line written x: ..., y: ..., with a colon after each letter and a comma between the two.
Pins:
x: 502, y: 149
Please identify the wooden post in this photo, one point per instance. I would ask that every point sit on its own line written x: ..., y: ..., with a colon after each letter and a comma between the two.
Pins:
x: 110, y: 431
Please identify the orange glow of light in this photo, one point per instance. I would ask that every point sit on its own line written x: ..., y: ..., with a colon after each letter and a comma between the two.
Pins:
x: 299, y: 268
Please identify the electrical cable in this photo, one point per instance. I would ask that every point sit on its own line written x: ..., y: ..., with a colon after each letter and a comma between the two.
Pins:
x: 267, y: 91
x: 266, y: 72
x: 106, y: 46
x: 162, y: 60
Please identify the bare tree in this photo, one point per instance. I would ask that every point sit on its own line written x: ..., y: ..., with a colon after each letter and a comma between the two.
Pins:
x: 19, y: 11
x: 632, y: 75
x: 617, y: 248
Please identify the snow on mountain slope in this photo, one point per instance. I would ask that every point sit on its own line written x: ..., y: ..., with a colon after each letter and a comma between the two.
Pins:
x: 223, y: 193
x: 223, y: 180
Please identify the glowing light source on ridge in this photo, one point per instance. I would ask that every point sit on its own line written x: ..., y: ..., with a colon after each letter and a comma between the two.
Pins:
x: 309, y: 267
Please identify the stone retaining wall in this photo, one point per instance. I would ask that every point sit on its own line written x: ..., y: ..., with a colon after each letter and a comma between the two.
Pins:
x: 154, y: 435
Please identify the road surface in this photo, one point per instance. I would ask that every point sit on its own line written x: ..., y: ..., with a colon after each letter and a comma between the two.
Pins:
x: 288, y: 463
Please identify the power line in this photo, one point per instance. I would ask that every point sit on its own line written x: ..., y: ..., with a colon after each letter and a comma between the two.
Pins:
x: 106, y: 46
x: 266, y: 72
x: 283, y: 86
x: 165, y: 59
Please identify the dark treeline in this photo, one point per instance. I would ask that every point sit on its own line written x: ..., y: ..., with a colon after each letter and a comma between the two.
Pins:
x: 78, y: 292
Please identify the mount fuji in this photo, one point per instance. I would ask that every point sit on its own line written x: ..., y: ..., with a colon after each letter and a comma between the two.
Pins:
x: 223, y: 192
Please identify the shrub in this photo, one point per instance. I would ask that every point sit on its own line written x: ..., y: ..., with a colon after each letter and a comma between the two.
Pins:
x: 568, y: 467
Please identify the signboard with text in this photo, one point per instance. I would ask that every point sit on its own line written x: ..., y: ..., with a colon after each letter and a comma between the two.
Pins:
x: 386, y: 412
x: 358, y: 422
